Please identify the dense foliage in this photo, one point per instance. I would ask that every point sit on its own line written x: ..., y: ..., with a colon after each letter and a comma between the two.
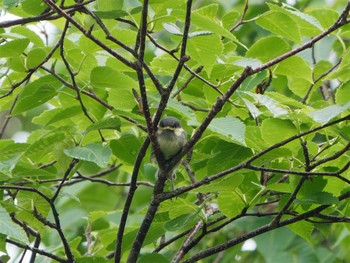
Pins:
x: 261, y: 87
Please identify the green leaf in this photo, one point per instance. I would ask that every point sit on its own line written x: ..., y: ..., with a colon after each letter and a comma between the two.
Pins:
x: 226, y: 155
x: 307, y: 24
x: 44, y: 143
x: 29, y: 171
x: 16, y: 64
x: 248, y: 62
x: 8, y: 4
x: 322, y: 198
x: 268, y: 48
x: 254, y: 111
x: 298, y: 86
x: 204, y: 18
x: 36, y: 93
x: 343, y: 69
x: 326, y: 114
x: 277, y: 130
x: 27, y: 202
x: 96, y: 153
x: 205, y: 49
x: 230, y: 127
x: 285, y: 100
x: 282, y: 188
x: 295, y: 67
x: 111, y: 123
x: 112, y: 14
x: 9, y: 148
x: 105, y: 5
x: 13, y: 48
x: 303, y: 229
x: 119, y: 86
x: 229, y: 18
x: 91, y: 259
x: 326, y: 16
x: 35, y: 57
x: 33, y: 7
x: 342, y: 94
x: 28, y: 33
x: 55, y: 115
x: 153, y: 257
x: 181, y: 222
x: 227, y: 184
x: 126, y: 148
x: 280, y: 24
x: 275, y: 154
x: 10, y: 229
x: 172, y: 28
x: 231, y: 203
x: 164, y: 65
x: 321, y: 67
x: 269, y: 103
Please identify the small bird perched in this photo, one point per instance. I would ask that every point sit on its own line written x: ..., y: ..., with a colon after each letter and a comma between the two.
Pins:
x: 171, y: 137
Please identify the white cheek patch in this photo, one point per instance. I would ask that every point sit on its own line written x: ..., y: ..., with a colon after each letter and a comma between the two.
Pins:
x: 178, y: 131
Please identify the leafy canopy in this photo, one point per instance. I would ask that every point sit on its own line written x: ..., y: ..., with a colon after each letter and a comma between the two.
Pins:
x: 261, y: 89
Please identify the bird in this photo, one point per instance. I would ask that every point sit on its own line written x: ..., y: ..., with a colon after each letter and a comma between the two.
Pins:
x: 171, y: 138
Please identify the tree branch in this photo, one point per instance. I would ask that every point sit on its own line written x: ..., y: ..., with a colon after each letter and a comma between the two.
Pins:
x: 230, y: 243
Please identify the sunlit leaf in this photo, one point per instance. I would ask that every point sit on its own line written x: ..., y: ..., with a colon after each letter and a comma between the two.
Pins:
x: 326, y: 114
x: 14, y: 47
x: 96, y: 153
x: 231, y: 203
x: 280, y: 24
x: 229, y: 127
x: 277, y: 130
x: 112, y: 14
x: 112, y: 123
x: 42, y: 89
